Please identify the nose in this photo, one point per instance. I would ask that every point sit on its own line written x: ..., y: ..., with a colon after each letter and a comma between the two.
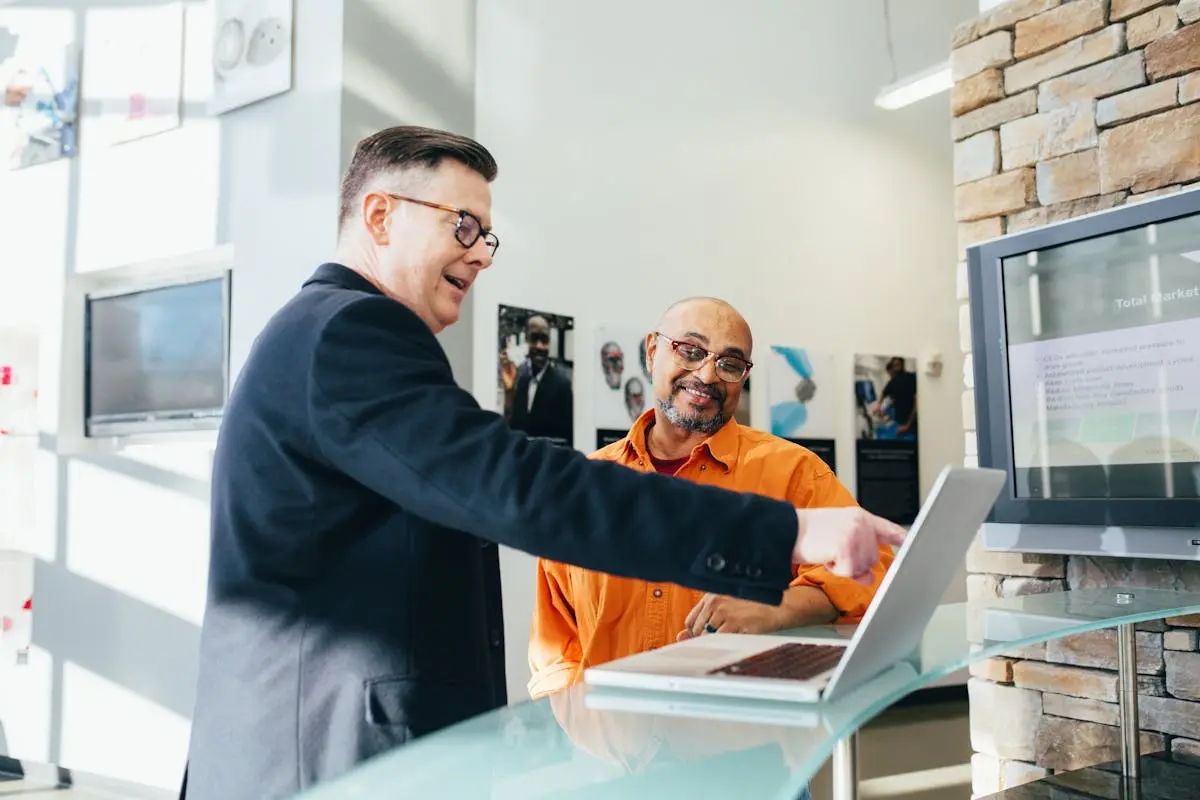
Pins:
x: 708, y: 370
x: 480, y: 255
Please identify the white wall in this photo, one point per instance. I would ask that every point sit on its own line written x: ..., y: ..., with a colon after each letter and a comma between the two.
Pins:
x: 122, y: 539
x: 650, y: 151
x: 412, y: 62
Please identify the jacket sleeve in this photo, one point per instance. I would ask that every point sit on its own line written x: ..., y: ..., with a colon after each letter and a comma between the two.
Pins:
x: 384, y: 410
x: 849, y: 597
x: 554, y: 649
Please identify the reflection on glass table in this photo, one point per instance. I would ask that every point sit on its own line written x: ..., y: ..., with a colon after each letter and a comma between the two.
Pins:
x: 593, y: 742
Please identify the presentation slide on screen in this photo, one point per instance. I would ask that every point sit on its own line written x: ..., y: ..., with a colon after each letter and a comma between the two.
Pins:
x: 1127, y: 395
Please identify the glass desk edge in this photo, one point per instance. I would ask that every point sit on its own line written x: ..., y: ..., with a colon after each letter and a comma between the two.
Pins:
x: 1059, y: 614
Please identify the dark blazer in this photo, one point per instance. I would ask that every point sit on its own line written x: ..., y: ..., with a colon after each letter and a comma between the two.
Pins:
x: 353, y: 488
x: 553, y: 414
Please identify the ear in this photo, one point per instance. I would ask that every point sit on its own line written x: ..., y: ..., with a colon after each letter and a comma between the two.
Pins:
x: 651, y: 349
x: 376, y: 214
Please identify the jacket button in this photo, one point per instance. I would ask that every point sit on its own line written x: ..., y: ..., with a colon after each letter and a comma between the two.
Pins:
x: 658, y: 592
x: 755, y: 572
x: 716, y: 562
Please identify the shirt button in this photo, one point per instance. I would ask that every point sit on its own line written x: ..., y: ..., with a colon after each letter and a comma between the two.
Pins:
x: 641, y: 463
x: 703, y: 467
x: 658, y: 592
x: 716, y: 562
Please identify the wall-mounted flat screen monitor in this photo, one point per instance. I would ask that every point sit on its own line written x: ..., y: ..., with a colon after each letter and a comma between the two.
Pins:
x: 1087, y: 366
x: 156, y: 358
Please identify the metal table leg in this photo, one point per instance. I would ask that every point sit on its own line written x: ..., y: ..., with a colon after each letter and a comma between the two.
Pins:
x: 845, y: 768
x: 1127, y: 693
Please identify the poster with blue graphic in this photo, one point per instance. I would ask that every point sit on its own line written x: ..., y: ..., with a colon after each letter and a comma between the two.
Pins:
x: 803, y: 400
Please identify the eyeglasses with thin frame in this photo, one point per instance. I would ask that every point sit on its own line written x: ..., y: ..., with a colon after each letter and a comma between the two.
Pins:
x: 691, y: 357
x: 468, y: 230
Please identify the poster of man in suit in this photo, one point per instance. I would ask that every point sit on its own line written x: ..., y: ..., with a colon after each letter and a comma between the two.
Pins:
x: 535, y: 369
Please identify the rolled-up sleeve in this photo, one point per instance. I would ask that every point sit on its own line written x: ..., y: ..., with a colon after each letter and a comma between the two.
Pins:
x: 851, y: 598
x: 554, y: 649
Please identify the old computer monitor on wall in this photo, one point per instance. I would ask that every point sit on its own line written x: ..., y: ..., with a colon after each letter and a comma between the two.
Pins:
x: 156, y: 355
x: 1086, y: 349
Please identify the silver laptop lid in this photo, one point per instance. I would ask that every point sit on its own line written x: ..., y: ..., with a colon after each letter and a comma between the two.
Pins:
x: 937, y: 545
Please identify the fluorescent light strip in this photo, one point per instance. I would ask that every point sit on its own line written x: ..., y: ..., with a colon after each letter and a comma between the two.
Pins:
x: 926, y: 83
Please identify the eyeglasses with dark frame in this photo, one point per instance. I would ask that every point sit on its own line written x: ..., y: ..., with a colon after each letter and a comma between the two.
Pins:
x: 468, y: 230
x: 691, y: 357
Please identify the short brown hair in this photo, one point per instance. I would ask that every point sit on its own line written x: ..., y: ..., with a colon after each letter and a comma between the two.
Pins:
x: 408, y: 146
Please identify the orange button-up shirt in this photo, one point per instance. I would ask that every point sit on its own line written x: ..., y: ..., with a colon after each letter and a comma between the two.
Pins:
x: 583, y: 617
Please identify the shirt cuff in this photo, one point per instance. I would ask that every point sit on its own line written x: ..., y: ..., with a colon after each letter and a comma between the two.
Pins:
x: 552, y: 679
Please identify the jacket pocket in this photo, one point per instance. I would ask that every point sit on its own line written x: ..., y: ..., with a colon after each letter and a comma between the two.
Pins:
x: 420, y: 706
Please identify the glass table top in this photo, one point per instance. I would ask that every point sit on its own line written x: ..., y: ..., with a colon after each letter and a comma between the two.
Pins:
x: 602, y: 742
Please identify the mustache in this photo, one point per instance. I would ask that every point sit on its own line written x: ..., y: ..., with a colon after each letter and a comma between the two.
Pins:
x: 713, y: 391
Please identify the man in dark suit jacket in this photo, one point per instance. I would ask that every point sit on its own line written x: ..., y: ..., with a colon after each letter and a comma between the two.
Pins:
x: 355, y: 486
x: 551, y: 413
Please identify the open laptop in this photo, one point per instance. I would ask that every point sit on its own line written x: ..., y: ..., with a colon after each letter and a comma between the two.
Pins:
x: 893, y: 681
x: 807, y: 670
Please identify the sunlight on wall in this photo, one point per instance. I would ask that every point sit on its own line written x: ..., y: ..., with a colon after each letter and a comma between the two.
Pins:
x: 386, y: 91
x: 43, y: 541
x: 157, y: 196
x: 33, y: 251
x: 155, y: 549
x: 26, y: 710
x: 33, y: 220
x: 111, y: 731
x: 428, y: 33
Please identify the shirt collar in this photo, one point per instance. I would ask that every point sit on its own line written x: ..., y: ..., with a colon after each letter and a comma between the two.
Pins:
x: 343, y: 276
x: 722, y: 447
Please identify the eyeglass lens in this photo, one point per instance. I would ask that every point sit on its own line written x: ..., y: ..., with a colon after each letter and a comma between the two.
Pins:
x: 469, y: 230
x: 728, y: 368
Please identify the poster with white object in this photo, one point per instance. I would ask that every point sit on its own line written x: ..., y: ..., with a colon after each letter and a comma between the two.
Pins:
x: 251, y: 52
x: 621, y: 385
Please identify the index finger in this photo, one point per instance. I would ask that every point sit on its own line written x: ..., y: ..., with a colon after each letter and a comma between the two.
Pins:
x: 890, y: 532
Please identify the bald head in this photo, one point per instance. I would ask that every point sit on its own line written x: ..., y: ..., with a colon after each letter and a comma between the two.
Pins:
x: 707, y: 311
x: 696, y: 367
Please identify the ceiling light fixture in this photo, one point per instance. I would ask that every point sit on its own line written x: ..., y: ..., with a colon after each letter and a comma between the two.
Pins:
x: 918, y: 86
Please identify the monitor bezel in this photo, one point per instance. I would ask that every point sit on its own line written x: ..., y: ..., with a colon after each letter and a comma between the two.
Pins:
x: 992, y: 399
x: 207, y: 418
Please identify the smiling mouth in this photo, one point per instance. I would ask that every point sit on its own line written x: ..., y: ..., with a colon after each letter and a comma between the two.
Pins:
x: 457, y: 283
x: 698, y: 396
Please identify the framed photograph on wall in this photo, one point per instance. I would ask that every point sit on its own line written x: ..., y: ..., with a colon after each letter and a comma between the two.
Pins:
x: 39, y: 75
x: 535, y: 373
x: 251, y: 52
x: 886, y: 432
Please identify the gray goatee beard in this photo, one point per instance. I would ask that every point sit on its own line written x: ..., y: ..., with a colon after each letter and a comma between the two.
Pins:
x: 693, y: 423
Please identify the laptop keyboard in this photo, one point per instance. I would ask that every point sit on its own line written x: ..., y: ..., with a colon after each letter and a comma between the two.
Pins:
x: 798, y: 662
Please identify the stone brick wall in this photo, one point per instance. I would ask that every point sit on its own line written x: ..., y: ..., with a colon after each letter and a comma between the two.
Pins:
x: 1063, y: 108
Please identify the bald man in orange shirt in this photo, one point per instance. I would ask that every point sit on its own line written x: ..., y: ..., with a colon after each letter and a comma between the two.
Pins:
x: 700, y: 357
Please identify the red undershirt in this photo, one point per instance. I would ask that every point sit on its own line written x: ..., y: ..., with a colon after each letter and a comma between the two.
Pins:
x: 668, y: 467
x: 665, y: 466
